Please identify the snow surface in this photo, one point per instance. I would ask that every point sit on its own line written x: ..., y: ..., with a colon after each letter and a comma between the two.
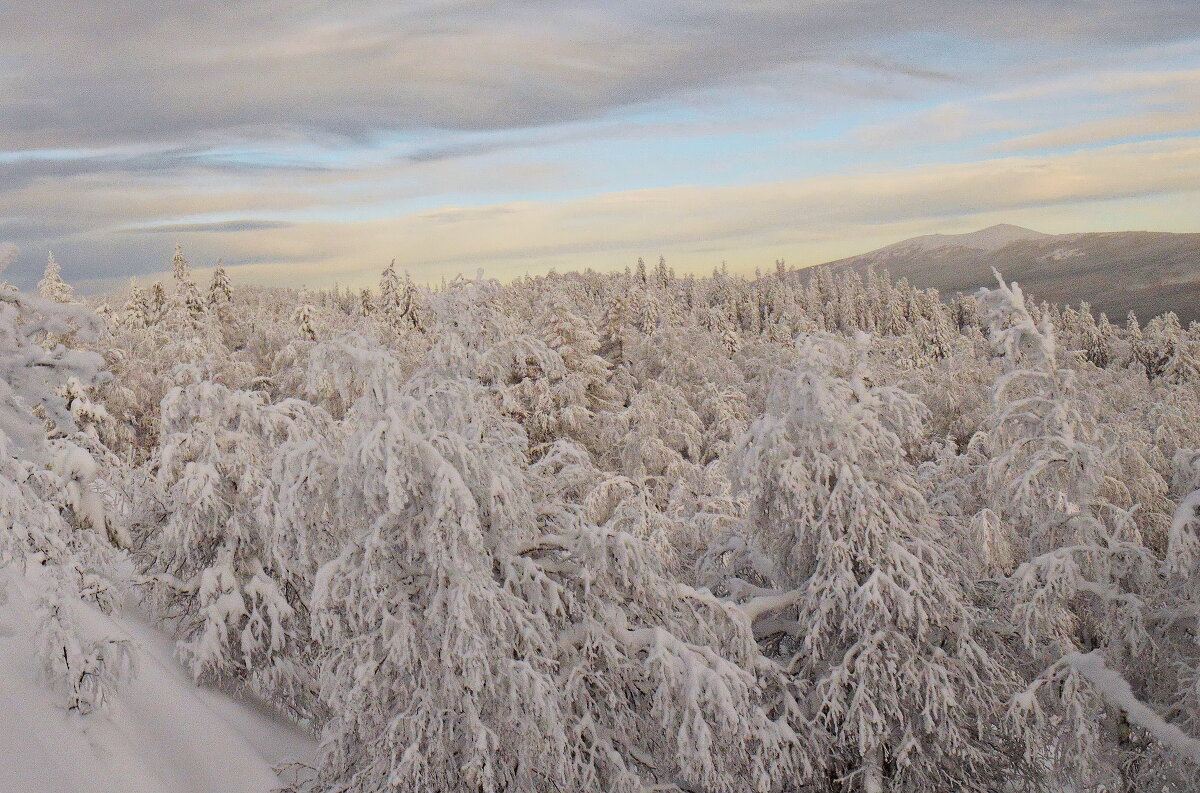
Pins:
x: 1058, y: 254
x: 163, y: 733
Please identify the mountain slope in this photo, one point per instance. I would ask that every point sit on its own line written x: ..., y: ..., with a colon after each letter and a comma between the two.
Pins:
x: 1116, y: 272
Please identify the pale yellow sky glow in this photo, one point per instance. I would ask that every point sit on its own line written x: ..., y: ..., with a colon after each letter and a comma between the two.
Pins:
x: 1129, y: 186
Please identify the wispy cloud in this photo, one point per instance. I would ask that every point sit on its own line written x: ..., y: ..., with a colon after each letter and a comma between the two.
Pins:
x: 529, y: 132
x: 1107, y: 130
x: 177, y: 69
x: 945, y: 123
x: 8, y: 255
x: 220, y: 227
x: 802, y: 220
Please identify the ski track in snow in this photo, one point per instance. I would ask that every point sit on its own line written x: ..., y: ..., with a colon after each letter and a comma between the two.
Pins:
x: 162, y: 734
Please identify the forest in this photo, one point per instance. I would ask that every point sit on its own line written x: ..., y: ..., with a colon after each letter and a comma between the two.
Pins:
x: 631, y: 531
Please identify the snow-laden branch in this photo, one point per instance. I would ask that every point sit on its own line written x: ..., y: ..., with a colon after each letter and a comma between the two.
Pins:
x: 1117, y: 692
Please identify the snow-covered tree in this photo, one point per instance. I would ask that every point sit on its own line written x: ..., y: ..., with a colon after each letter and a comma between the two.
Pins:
x: 459, y: 529
x: 399, y: 300
x: 52, y: 286
x: 562, y: 402
x: 303, y: 317
x: 158, y: 300
x: 212, y: 553
x: 53, y: 549
x: 511, y: 646
x: 180, y: 268
x: 389, y: 286
x: 1084, y: 571
x: 220, y: 292
x: 187, y: 294
x: 137, y: 309
x: 851, y: 585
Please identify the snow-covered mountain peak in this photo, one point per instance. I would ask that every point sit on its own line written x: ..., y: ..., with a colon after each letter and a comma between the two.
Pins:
x: 992, y: 238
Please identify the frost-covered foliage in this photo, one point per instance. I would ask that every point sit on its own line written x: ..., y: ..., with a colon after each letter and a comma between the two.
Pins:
x: 55, y: 532
x: 514, y: 645
x: 810, y: 531
x: 1086, y: 574
x: 52, y: 286
x: 220, y: 291
x: 844, y: 572
x: 225, y: 568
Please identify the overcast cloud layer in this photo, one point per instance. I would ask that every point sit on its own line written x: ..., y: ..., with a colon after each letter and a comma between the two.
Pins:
x: 320, y: 140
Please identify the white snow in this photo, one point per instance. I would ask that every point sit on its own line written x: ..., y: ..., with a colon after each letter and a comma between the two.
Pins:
x: 162, y: 733
x: 1058, y: 254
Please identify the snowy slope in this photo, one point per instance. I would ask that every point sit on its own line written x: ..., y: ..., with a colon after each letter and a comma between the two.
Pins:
x: 163, y: 734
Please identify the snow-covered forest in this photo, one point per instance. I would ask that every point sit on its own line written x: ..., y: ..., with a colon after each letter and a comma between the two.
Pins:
x: 622, y: 532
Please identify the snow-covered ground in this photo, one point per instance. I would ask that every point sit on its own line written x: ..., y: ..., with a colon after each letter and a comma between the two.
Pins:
x: 162, y: 734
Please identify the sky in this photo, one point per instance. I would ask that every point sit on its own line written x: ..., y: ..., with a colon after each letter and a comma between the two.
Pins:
x: 309, y: 143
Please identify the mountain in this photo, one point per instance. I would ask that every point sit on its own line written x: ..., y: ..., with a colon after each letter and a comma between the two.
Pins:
x: 1116, y: 272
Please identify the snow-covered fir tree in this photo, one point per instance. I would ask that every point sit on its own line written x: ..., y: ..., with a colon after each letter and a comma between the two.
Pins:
x: 52, y: 286
x: 220, y: 292
x: 181, y: 270
x: 303, y: 317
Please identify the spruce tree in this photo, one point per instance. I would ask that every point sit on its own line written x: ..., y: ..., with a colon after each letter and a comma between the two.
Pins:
x: 52, y: 286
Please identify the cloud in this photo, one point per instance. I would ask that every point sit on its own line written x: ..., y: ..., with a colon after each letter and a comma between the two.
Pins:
x: 1106, y: 82
x: 737, y: 217
x: 805, y: 221
x: 1097, y: 108
x: 1129, y: 105
x: 220, y: 227
x: 1143, y: 125
x: 184, y: 70
x: 506, y: 142
x: 98, y: 204
x: 295, y: 136
x: 945, y: 123
x: 17, y: 171
x: 8, y: 255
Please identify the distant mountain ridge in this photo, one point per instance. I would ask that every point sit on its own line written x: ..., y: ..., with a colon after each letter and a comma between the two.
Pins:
x: 1146, y: 272
x: 992, y: 238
